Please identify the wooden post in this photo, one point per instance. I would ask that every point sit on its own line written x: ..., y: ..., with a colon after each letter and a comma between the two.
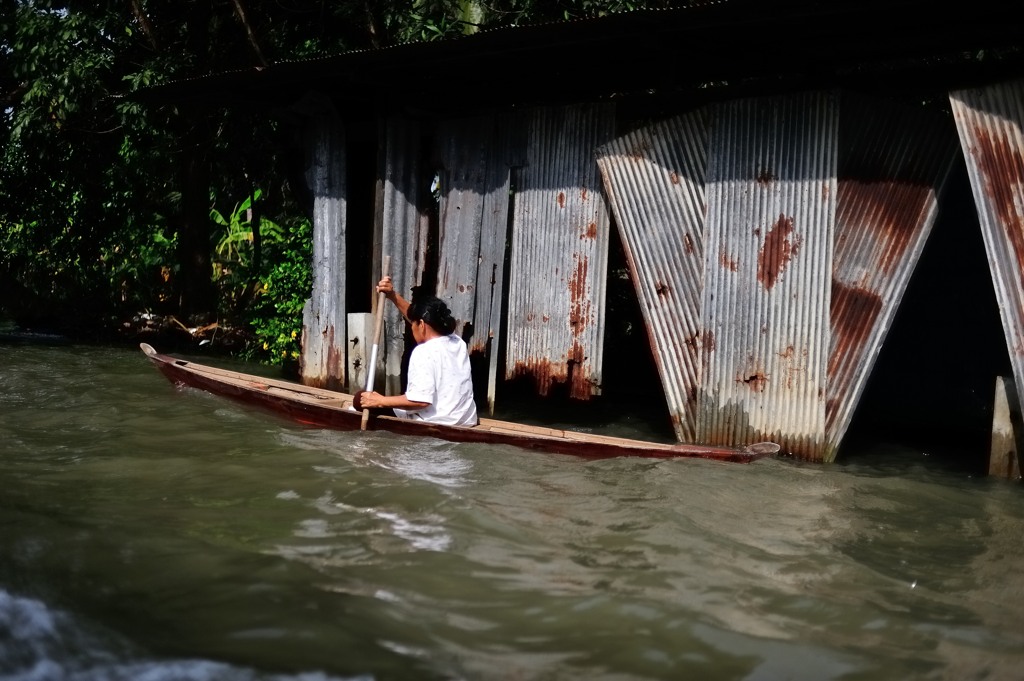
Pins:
x: 1004, y: 453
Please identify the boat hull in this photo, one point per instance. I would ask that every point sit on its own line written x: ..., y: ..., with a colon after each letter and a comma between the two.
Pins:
x: 329, y: 409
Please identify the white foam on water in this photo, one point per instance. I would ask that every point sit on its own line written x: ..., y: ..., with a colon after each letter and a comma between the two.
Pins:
x: 38, y: 643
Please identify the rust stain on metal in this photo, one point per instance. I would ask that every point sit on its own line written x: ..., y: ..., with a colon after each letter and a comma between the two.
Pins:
x: 541, y: 371
x: 795, y: 377
x: 854, y: 311
x: 583, y: 194
x: 778, y: 249
x: 590, y: 232
x: 673, y: 177
x: 756, y: 381
x: 707, y: 344
x: 999, y: 163
x: 579, y: 300
x: 766, y: 176
x: 726, y: 261
x: 561, y: 199
x: 335, y: 361
x: 662, y: 289
x: 794, y: 367
x: 688, y: 244
x: 580, y: 383
x: 545, y: 374
x: 831, y: 405
x: 896, y: 208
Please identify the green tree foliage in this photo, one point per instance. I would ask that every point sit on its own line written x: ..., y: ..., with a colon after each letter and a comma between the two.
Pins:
x: 275, y: 315
x: 109, y: 208
x: 88, y: 190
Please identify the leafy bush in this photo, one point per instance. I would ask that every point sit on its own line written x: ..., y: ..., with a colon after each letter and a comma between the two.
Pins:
x: 275, y: 315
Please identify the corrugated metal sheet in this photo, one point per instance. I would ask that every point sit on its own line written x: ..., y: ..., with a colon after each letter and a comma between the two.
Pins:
x: 654, y: 179
x: 768, y: 243
x: 989, y: 121
x: 323, y: 357
x: 559, y: 252
x: 473, y: 225
x: 404, y: 231
x: 893, y: 162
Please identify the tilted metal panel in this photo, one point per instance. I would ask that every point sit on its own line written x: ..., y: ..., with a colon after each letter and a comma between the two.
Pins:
x: 404, y: 233
x: 324, y: 352
x: 768, y: 242
x: 473, y: 225
x: 989, y: 121
x: 893, y: 162
x: 654, y: 180
x: 559, y: 252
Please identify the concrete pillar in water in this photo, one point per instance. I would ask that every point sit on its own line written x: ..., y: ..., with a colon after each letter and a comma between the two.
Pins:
x: 360, y: 345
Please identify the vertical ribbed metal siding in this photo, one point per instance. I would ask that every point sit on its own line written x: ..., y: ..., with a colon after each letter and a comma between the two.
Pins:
x: 768, y: 243
x: 404, y: 232
x: 893, y: 163
x: 324, y: 352
x: 472, y: 232
x: 559, y: 252
x: 989, y: 121
x: 462, y: 152
x: 654, y: 180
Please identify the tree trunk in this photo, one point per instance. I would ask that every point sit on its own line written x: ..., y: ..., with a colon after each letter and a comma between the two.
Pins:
x: 198, y: 296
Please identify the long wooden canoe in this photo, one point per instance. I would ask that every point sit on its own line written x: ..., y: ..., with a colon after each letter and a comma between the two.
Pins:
x: 331, y: 409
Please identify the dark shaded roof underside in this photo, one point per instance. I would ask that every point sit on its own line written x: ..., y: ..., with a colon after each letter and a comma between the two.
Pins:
x: 741, y: 46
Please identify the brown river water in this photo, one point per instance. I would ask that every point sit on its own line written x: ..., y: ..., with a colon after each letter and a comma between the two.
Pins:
x: 152, y: 533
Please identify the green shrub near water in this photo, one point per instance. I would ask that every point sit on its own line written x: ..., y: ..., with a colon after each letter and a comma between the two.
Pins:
x: 275, y: 317
x: 267, y: 293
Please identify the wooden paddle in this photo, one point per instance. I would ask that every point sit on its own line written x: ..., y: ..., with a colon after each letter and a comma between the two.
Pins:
x: 378, y: 325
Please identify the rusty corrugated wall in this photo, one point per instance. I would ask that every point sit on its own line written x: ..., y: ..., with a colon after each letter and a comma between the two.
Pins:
x: 404, y: 230
x: 893, y: 162
x: 654, y: 179
x: 559, y: 252
x: 768, y: 240
x: 989, y: 121
x: 473, y: 226
x: 323, y: 357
